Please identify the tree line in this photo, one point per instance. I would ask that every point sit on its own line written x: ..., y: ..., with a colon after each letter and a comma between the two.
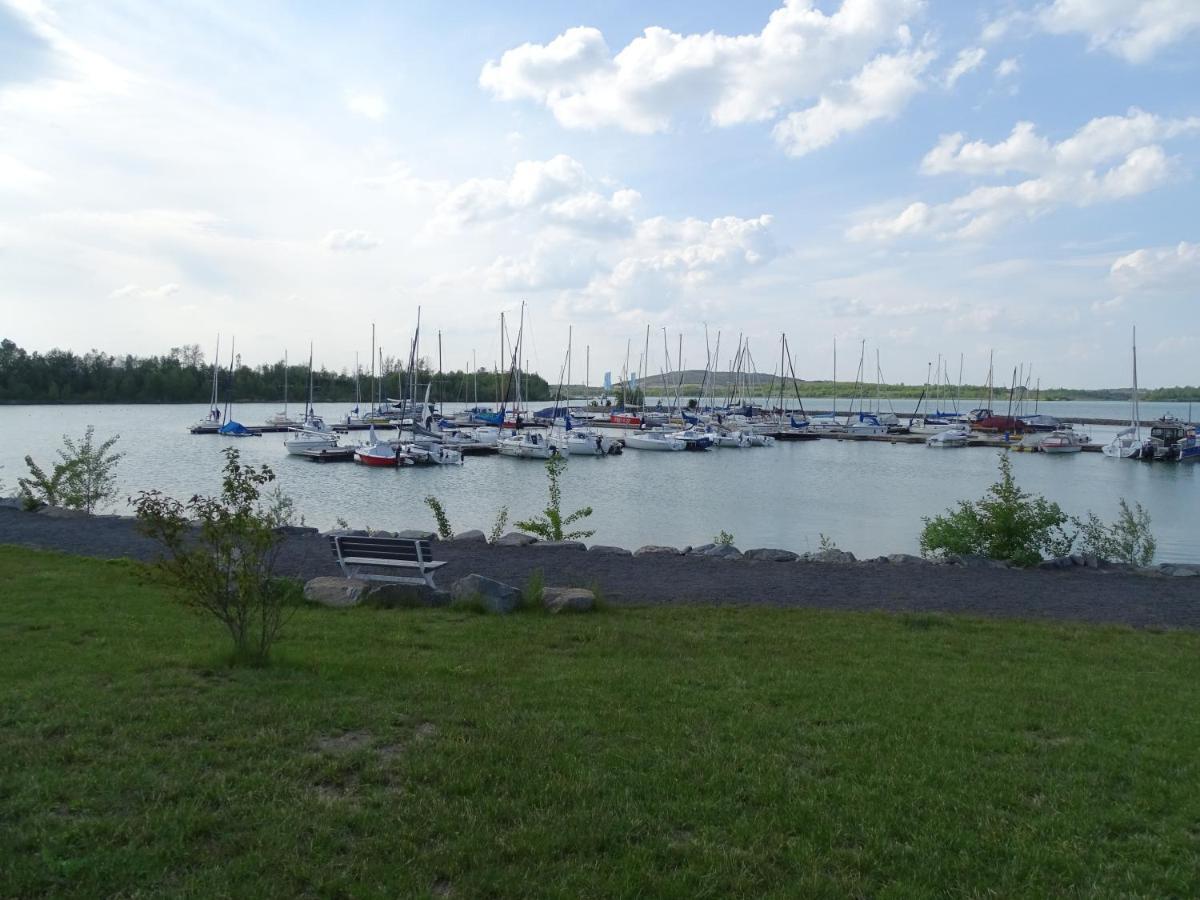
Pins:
x: 183, y: 376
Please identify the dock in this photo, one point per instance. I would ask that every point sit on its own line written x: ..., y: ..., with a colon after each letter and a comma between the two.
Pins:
x: 328, y: 454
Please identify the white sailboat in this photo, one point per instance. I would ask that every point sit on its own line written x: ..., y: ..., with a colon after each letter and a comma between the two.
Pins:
x: 1127, y: 443
x: 654, y: 440
x: 213, y: 419
x: 282, y: 417
x: 312, y: 433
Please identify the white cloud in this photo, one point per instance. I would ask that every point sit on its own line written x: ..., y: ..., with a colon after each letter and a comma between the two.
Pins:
x: 18, y: 177
x: 800, y: 55
x: 339, y: 241
x: 880, y: 91
x: 1107, y: 159
x: 370, y: 106
x: 1159, y: 270
x: 968, y: 60
x: 137, y: 292
x: 1007, y: 68
x: 556, y: 190
x: 1133, y: 29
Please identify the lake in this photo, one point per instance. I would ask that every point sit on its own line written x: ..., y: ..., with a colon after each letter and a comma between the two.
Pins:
x: 868, y: 498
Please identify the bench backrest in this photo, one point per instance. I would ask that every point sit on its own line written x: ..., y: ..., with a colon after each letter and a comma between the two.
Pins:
x: 403, y: 549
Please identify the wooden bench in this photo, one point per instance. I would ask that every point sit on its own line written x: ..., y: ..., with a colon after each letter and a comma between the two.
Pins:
x: 354, y: 553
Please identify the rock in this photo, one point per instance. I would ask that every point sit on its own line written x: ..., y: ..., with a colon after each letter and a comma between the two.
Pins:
x: 606, y: 550
x: 1176, y: 570
x: 416, y: 534
x: 1076, y: 559
x: 1058, y: 562
x: 294, y: 529
x: 404, y: 596
x: 61, y: 512
x: 556, y: 600
x: 768, y: 554
x: 655, y: 550
x: 1091, y: 560
x: 474, y: 536
x: 831, y: 556
x: 516, y: 539
x: 337, y: 592
x: 1151, y: 571
x: 906, y: 559
x: 563, y: 545
x: 493, y: 596
x: 11, y: 503
x: 978, y: 561
x: 348, y: 532
x: 701, y: 550
x: 723, y: 551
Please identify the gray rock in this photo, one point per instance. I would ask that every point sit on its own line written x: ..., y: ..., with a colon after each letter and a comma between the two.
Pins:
x: 1176, y: 570
x: 768, y: 554
x: 831, y: 556
x: 1151, y: 571
x: 723, y: 551
x: 558, y: 600
x: 348, y: 532
x: 1076, y: 559
x: 416, y: 534
x: 906, y: 559
x: 655, y: 550
x: 61, y: 512
x: 294, y: 529
x: 404, y: 596
x: 563, y: 545
x: 700, y: 550
x: 516, y: 539
x: 337, y: 592
x: 1091, y: 560
x: 493, y: 596
x: 11, y: 503
x: 606, y: 550
x: 474, y: 536
x: 1058, y: 562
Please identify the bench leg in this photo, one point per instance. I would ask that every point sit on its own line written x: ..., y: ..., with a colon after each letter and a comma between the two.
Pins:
x: 429, y: 580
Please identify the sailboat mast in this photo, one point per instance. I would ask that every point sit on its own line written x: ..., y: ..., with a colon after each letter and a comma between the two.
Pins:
x: 372, y: 366
x: 834, y: 376
x: 308, y: 405
x: 232, y: 357
x: 440, y: 391
x: 1137, y: 414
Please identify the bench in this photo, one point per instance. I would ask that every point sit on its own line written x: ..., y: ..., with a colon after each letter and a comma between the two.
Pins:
x: 353, y: 553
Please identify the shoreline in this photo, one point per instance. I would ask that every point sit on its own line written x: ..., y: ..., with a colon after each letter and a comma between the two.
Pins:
x: 895, y: 584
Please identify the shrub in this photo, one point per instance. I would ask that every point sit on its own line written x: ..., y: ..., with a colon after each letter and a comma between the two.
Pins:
x: 1007, y: 524
x: 531, y: 596
x: 82, y: 479
x: 1127, y: 540
x: 550, y: 525
x: 826, y: 544
x: 723, y: 539
x: 221, y: 554
x: 497, y: 531
x: 445, y: 532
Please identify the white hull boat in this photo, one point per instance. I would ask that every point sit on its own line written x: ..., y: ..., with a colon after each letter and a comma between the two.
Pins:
x: 1063, y: 441
x: 952, y: 437
x: 585, y: 442
x: 653, y: 440
x: 526, y: 445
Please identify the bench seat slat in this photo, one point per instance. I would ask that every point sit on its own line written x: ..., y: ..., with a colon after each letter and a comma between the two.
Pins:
x: 397, y: 563
x: 353, y: 552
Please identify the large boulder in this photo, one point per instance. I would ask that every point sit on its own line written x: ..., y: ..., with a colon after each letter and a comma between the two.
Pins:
x: 294, y: 529
x: 556, y: 600
x: 605, y: 550
x: 655, y: 550
x: 830, y: 556
x: 563, y: 545
x: 769, y: 554
x: 61, y: 512
x: 905, y: 559
x: 720, y: 551
x: 474, y: 536
x: 516, y: 539
x: 492, y: 596
x: 417, y: 534
x: 404, y: 596
x: 1179, y: 570
x: 336, y: 592
x: 1057, y: 562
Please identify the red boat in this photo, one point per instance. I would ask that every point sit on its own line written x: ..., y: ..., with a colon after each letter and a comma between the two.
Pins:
x: 625, y: 418
x: 986, y: 420
x: 379, y: 453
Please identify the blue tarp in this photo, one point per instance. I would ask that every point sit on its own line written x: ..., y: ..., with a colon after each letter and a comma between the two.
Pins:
x: 235, y: 429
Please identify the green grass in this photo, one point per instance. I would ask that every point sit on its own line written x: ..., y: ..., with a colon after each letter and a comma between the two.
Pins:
x: 654, y: 752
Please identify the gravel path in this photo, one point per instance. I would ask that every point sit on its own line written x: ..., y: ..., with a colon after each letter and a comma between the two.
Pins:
x: 1072, y: 595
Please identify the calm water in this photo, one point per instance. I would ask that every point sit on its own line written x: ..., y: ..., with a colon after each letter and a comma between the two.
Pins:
x: 869, y: 498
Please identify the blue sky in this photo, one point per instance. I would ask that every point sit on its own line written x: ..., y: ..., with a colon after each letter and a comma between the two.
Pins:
x: 928, y: 177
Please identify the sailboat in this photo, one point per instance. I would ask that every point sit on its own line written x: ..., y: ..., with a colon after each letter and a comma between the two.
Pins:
x: 827, y: 422
x: 572, y: 440
x: 282, y: 418
x: 381, y: 454
x: 1127, y: 443
x: 232, y: 428
x: 522, y: 444
x: 213, y: 419
x: 312, y: 433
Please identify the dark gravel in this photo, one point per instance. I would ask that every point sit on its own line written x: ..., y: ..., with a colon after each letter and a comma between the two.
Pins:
x: 1073, y: 595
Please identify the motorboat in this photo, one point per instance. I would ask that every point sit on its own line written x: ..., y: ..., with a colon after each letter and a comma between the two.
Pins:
x: 301, y: 440
x: 1169, y: 437
x: 654, y: 440
x: 585, y: 442
x: 693, y: 438
x: 1063, y: 440
x: 526, y: 445
x: 951, y: 437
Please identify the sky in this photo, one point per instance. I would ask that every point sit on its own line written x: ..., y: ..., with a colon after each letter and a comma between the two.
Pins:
x: 911, y: 178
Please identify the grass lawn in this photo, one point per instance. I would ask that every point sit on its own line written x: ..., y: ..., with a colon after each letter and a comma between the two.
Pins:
x: 652, y: 752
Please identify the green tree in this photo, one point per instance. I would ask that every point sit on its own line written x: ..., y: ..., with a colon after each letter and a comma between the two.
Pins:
x: 1006, y: 524
x: 91, y: 478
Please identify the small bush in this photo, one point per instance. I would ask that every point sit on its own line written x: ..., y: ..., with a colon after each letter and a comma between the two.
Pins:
x: 531, y: 596
x: 826, y: 544
x: 1006, y: 524
x: 498, y: 526
x: 445, y: 532
x: 1127, y: 540
x: 82, y: 479
x: 550, y: 525
x: 723, y: 539
x: 221, y: 554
